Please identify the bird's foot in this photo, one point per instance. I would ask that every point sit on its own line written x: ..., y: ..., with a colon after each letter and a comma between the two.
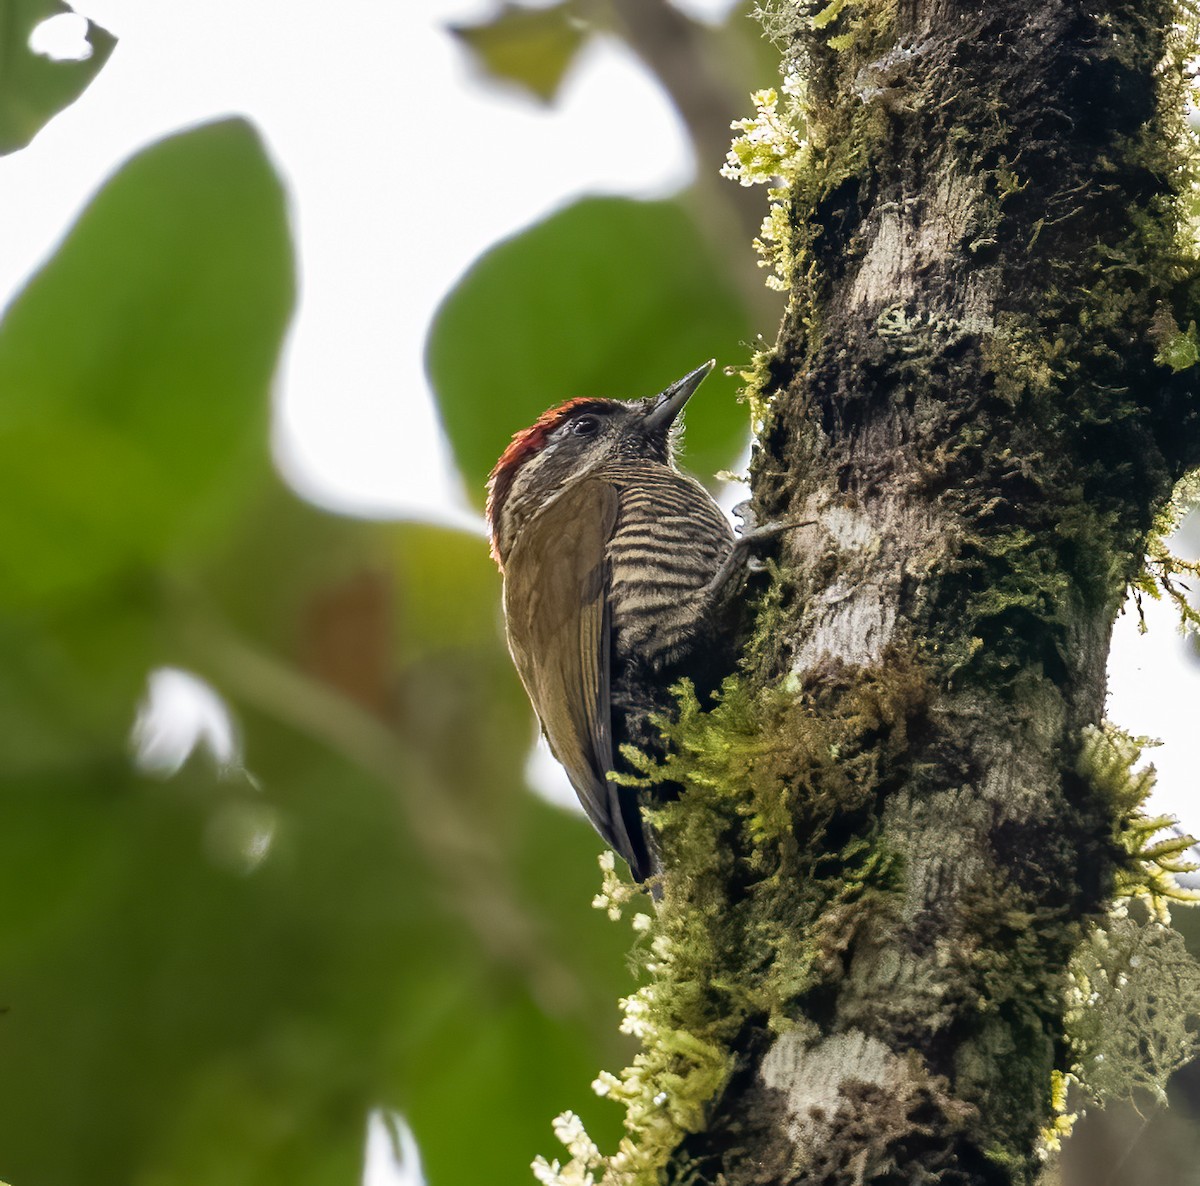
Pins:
x: 742, y: 556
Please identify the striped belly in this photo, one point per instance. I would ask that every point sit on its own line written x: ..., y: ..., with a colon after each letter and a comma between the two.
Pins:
x: 668, y: 544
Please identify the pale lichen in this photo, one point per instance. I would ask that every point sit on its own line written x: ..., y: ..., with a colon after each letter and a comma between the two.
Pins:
x: 1132, y: 1000
x: 1134, y: 1009
x: 780, y: 20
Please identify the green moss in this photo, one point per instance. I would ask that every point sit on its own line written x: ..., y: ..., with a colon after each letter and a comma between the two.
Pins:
x: 1163, y: 573
x: 1058, y: 369
x: 805, y: 146
x: 1180, y: 351
x: 1068, y: 542
x: 1148, y: 867
x: 756, y: 377
x: 828, y: 14
x: 1063, y: 541
x: 1075, y: 371
x: 1001, y: 963
x: 768, y: 886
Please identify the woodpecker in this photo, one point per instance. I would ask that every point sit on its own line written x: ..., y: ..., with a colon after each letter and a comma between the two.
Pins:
x: 617, y: 572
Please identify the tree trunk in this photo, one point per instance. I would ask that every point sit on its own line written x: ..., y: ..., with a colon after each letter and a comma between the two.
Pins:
x: 890, y: 843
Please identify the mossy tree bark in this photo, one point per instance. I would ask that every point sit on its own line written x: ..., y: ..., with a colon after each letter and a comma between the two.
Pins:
x: 965, y: 400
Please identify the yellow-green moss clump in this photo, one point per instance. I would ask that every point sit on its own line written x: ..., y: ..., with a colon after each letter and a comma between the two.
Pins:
x: 1164, y: 573
x: 770, y: 150
x: 762, y: 899
x: 802, y: 147
x: 1132, y: 1009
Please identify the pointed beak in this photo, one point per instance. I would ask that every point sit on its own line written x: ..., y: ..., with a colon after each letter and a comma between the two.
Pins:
x: 670, y: 403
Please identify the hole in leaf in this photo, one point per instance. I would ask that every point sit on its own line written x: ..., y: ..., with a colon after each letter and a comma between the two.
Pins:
x: 391, y: 1157
x: 62, y: 38
x: 180, y: 713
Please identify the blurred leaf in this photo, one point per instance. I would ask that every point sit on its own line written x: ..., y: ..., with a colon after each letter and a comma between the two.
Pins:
x: 134, y: 374
x: 34, y: 88
x: 491, y: 1061
x: 185, y: 1023
x: 747, y: 50
x: 494, y: 1076
x: 179, y: 1022
x: 70, y: 677
x: 557, y: 854
x: 135, y: 365
x: 531, y: 47
x: 457, y: 694
x: 402, y: 619
x: 277, y: 559
x: 608, y: 297
x: 450, y: 596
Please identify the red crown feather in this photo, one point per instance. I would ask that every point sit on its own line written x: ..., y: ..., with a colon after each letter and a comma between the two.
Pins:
x: 521, y: 448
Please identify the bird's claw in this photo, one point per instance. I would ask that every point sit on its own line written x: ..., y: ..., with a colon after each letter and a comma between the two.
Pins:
x: 745, y: 512
x: 772, y: 530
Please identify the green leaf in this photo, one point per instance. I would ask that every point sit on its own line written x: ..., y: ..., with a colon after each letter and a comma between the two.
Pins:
x: 188, y: 1022
x: 494, y: 1076
x: 182, y: 1021
x: 403, y: 621
x: 135, y: 367
x: 134, y: 378
x: 471, y: 1006
x: 530, y: 47
x: 178, y: 1016
x: 277, y: 559
x: 34, y: 88
x: 609, y: 297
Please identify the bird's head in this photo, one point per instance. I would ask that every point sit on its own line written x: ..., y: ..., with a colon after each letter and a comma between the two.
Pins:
x: 573, y: 440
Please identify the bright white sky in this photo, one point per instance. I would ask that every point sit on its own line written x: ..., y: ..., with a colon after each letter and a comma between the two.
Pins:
x: 385, y: 139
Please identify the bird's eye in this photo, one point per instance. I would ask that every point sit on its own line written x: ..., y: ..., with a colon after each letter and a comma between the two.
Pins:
x: 585, y: 426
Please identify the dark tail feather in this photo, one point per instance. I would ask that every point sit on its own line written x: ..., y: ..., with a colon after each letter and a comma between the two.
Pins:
x: 644, y: 858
